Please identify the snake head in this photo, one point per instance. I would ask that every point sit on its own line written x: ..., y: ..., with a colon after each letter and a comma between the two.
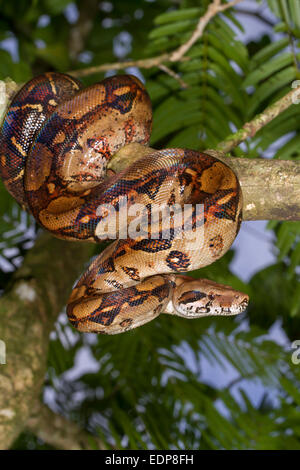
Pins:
x: 202, y: 297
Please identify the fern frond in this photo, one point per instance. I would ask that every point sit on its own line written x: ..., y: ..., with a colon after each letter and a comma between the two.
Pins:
x: 214, y: 100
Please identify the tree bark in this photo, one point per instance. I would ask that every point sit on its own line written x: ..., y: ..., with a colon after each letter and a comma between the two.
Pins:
x: 271, y: 188
x: 38, y: 292
x: 59, y: 431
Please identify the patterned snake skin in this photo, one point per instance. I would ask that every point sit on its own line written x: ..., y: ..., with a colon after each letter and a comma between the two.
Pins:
x: 56, y: 142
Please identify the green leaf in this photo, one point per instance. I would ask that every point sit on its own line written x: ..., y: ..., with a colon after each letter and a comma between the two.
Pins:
x: 269, y: 51
x: 268, y: 69
x: 55, y: 7
x: 177, y: 15
x: 173, y: 28
x: 276, y: 82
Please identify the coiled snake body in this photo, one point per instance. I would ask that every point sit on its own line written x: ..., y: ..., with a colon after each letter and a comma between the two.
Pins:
x: 56, y: 142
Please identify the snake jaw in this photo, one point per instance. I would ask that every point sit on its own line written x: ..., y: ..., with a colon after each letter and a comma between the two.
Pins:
x: 198, y: 310
x: 202, y: 297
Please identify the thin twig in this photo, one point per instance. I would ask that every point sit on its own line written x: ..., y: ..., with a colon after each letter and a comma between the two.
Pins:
x: 214, y: 8
x: 142, y: 63
x: 251, y: 128
x: 173, y: 74
x: 176, y: 56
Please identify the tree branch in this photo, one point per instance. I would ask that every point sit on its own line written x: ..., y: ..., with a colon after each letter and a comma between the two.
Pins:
x: 271, y: 188
x: 38, y: 292
x: 59, y: 432
x: 8, y: 88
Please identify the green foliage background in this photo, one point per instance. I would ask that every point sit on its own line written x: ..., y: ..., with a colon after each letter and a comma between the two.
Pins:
x: 146, y: 389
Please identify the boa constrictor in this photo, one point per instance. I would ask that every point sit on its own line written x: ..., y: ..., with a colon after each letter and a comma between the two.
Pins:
x: 56, y: 142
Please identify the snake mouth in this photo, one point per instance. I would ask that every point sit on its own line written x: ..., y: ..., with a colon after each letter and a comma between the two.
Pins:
x: 244, y: 304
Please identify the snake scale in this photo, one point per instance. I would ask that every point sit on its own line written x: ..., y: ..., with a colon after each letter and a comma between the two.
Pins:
x: 56, y: 142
